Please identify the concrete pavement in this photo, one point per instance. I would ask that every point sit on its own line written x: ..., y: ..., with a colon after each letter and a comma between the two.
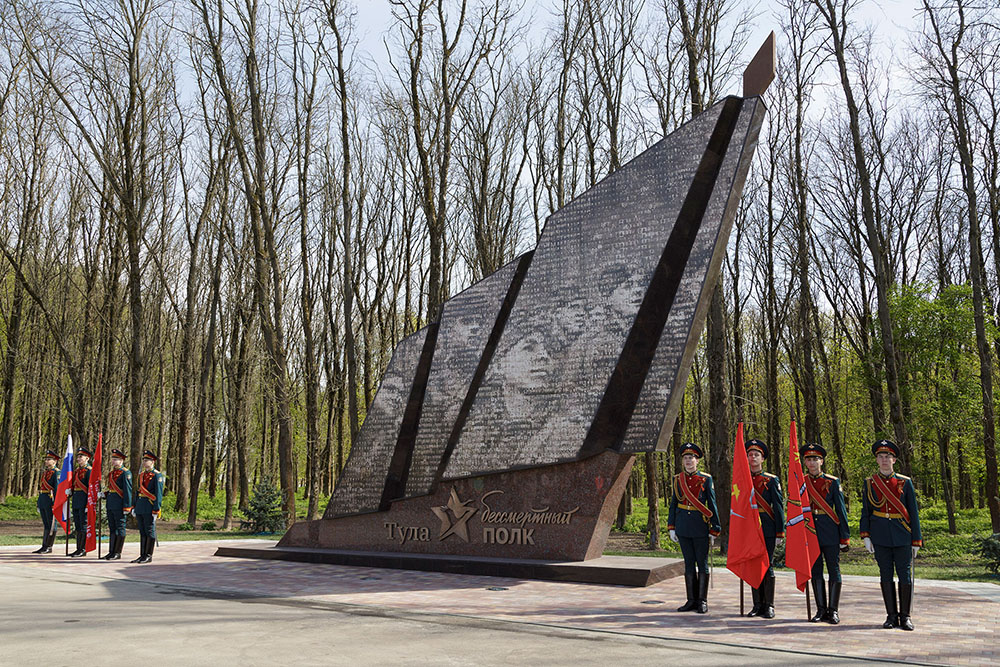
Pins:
x: 188, y: 607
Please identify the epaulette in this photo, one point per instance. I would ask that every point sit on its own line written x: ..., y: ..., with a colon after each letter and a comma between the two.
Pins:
x: 902, y: 476
x: 827, y: 475
x: 704, y: 474
x: 769, y: 475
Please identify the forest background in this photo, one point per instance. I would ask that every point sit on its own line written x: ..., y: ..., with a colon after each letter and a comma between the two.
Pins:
x: 219, y: 217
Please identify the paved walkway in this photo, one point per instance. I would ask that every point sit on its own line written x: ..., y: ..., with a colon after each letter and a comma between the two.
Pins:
x: 957, y: 623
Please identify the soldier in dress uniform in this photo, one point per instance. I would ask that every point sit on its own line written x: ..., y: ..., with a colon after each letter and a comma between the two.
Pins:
x: 771, y: 507
x: 47, y: 485
x: 149, y: 497
x: 118, y: 502
x: 81, y: 484
x: 834, y: 535
x: 890, y: 528
x: 693, y: 522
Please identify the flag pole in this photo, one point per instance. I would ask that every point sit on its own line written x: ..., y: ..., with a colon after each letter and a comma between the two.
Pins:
x: 809, y: 612
x: 741, y: 596
x: 711, y: 565
x: 100, y: 517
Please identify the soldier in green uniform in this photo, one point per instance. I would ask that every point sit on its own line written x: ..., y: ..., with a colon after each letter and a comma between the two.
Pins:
x: 890, y: 528
x: 47, y: 485
x: 693, y: 522
x: 830, y: 518
x: 149, y: 497
x: 81, y: 485
x: 771, y: 507
x: 118, y: 501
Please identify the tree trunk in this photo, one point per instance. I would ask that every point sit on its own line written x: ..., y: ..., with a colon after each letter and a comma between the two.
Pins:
x: 653, y: 499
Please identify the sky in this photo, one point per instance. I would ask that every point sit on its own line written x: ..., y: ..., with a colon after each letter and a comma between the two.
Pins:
x: 890, y: 18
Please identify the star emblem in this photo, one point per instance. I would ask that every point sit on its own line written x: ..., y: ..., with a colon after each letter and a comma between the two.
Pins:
x: 736, y: 491
x: 462, y: 513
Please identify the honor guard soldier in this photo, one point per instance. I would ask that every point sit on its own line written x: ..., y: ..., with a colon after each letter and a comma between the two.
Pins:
x: 118, y: 501
x: 47, y: 485
x: 149, y: 496
x: 693, y: 522
x: 890, y: 527
x: 771, y: 507
x: 834, y: 535
x: 81, y: 484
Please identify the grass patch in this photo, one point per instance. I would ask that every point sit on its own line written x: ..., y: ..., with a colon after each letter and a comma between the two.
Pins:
x: 133, y: 536
x: 16, y: 508
x: 943, y: 556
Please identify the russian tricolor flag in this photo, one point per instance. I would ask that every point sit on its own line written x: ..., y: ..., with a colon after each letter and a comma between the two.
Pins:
x: 60, y: 506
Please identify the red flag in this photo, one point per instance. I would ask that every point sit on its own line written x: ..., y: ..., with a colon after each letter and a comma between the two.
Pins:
x: 747, y: 557
x: 92, y: 489
x: 801, y: 543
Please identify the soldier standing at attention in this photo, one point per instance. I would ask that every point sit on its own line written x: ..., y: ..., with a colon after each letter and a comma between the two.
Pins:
x: 118, y: 501
x: 771, y: 507
x: 693, y: 522
x: 47, y: 485
x: 832, y: 531
x: 149, y: 496
x: 81, y: 484
x: 890, y: 527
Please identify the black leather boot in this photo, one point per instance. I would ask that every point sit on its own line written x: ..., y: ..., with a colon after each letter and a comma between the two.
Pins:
x: 889, y: 597
x: 767, y: 598
x: 755, y: 594
x: 81, y: 543
x: 142, y: 550
x: 150, y: 543
x: 702, y: 593
x: 832, y: 615
x: 905, y: 600
x: 46, y: 547
x: 819, y: 593
x: 112, y: 541
x: 118, y: 547
x: 691, y: 586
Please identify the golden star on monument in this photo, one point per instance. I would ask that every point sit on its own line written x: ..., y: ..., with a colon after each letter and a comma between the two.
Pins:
x: 462, y: 513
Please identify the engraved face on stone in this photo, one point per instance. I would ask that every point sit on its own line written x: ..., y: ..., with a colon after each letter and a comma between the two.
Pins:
x: 580, y: 346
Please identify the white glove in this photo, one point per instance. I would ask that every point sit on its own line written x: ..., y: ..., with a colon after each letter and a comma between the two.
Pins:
x: 778, y: 542
x: 673, y: 535
x: 69, y: 492
x: 711, y: 541
x: 869, y: 545
x: 132, y: 512
x: 845, y: 547
x: 915, y: 550
x: 100, y: 494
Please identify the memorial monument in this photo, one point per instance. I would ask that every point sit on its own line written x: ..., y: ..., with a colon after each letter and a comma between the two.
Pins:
x: 503, y: 433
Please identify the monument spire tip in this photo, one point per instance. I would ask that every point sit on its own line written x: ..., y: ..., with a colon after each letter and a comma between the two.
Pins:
x: 760, y: 72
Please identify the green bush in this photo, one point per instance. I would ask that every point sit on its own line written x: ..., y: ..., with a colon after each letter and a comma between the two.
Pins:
x: 264, y: 513
x: 185, y: 526
x: 989, y: 548
x: 933, y: 513
x: 208, y: 525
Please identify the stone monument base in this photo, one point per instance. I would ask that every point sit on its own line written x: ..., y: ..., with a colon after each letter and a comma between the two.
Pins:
x: 610, y: 570
x: 559, y: 512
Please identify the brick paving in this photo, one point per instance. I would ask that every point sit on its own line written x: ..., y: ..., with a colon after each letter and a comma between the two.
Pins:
x: 958, y: 623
